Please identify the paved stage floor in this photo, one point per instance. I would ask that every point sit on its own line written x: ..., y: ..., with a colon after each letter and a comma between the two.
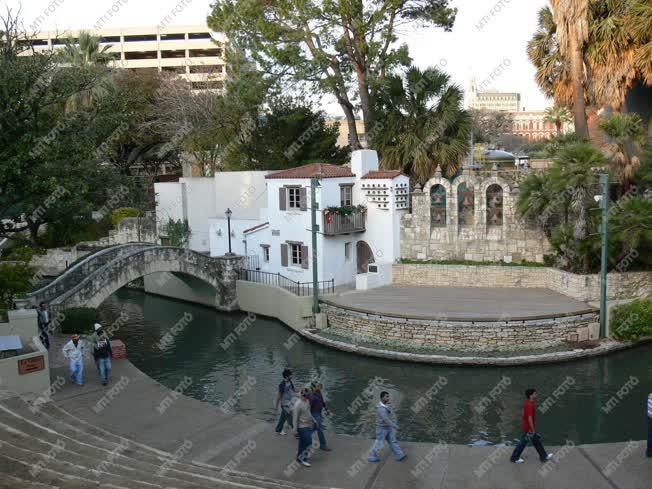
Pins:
x: 475, y: 303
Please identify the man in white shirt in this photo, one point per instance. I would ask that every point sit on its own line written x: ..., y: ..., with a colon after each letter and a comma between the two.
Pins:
x: 74, y: 352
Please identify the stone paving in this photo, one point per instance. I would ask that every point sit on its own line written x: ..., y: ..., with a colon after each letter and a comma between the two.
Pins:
x: 141, y: 409
x: 461, y: 302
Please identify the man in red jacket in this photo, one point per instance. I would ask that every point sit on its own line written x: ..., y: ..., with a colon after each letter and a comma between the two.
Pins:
x: 529, y: 430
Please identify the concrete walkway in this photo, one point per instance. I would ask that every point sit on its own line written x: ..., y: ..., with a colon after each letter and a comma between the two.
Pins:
x: 139, y: 408
x: 475, y: 303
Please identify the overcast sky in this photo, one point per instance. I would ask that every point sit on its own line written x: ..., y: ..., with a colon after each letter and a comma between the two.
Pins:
x: 489, y: 36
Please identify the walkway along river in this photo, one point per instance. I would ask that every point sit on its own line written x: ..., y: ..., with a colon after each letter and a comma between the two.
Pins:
x: 200, y: 352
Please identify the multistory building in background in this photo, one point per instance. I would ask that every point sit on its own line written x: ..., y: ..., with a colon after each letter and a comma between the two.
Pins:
x: 492, y: 99
x: 532, y: 126
x: 193, y: 52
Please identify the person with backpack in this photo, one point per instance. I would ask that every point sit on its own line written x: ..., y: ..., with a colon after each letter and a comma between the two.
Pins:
x: 285, y: 396
x: 102, y: 353
x: 529, y: 430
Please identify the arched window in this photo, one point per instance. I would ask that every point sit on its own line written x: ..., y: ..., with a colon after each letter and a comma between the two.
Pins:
x: 494, y: 205
x: 438, y: 206
x: 465, y: 207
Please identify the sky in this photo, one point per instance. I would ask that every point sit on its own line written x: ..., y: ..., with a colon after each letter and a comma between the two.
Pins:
x: 488, y: 40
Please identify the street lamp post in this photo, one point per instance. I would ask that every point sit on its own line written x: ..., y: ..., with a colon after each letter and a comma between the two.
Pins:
x: 314, y: 183
x: 604, y: 205
x: 229, y: 212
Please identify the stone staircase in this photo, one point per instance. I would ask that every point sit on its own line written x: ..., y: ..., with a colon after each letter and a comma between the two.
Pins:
x: 50, y: 448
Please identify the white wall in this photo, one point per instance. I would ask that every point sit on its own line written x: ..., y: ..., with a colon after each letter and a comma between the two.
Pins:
x: 244, y: 192
x: 200, y: 199
x: 170, y: 202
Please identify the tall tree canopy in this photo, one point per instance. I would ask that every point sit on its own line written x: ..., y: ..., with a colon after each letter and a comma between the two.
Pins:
x: 343, y: 47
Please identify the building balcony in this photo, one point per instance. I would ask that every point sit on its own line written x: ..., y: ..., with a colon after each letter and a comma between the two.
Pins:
x: 344, y: 220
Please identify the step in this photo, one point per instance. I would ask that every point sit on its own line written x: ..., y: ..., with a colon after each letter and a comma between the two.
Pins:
x: 50, y: 424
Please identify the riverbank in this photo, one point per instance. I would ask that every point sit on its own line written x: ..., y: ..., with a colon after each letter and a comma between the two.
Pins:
x: 139, y: 408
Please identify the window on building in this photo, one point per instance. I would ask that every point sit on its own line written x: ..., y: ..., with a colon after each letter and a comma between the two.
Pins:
x: 265, y: 253
x: 346, y: 195
x: 141, y: 38
x: 173, y: 53
x: 199, y: 35
x: 133, y: 55
x: 202, y: 53
x: 294, y: 197
x: 295, y: 254
x: 106, y: 39
x: 347, y: 251
x: 173, y: 37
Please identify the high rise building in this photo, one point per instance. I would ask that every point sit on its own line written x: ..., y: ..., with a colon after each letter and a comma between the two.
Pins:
x: 193, y: 52
x: 492, y: 99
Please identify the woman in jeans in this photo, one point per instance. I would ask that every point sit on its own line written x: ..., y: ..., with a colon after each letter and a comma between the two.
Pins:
x: 304, y: 424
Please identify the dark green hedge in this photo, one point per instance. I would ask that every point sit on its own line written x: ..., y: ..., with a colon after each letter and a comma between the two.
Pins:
x: 79, y: 320
x: 633, y: 320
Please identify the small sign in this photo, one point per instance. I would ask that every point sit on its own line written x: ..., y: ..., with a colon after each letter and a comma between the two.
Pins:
x: 30, y: 365
x: 276, y: 232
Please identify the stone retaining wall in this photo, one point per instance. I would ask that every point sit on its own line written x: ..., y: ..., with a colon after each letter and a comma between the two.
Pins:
x: 586, y: 288
x: 460, y: 335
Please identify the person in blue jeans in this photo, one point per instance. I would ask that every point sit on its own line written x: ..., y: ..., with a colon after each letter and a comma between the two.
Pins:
x: 304, y: 424
x: 73, y: 351
x: 102, y: 353
x: 317, y: 409
x: 386, y: 427
x: 285, y: 396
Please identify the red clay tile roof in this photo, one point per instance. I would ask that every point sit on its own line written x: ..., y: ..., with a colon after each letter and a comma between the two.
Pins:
x: 383, y: 174
x: 312, y: 170
x: 255, y: 228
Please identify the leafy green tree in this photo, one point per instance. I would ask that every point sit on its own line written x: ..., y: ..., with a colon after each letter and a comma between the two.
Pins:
x: 292, y: 134
x: 490, y: 125
x: 420, y: 124
x: 630, y: 229
x: 178, y: 232
x: 15, y: 278
x: 85, y: 50
x: 342, y: 47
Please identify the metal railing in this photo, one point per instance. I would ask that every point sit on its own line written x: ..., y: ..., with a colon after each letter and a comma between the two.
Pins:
x: 278, y: 280
x: 343, y: 223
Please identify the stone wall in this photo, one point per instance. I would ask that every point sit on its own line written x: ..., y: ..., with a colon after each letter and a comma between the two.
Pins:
x: 473, y: 237
x: 586, y: 288
x: 460, y: 335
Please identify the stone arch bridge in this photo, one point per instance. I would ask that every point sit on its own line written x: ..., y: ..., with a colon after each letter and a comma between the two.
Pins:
x: 92, y: 279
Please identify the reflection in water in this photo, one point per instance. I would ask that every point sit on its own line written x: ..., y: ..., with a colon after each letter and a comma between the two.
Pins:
x: 452, y: 413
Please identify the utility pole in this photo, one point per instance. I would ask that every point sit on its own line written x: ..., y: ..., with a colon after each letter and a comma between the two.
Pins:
x: 604, y: 205
x: 314, y: 183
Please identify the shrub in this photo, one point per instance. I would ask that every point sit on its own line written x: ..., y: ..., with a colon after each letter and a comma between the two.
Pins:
x: 20, y: 253
x: 79, y: 320
x: 120, y: 213
x: 633, y: 320
x: 74, y: 231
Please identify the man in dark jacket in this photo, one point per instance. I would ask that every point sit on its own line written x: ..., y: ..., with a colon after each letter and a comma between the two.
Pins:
x: 317, y: 409
x: 102, y: 353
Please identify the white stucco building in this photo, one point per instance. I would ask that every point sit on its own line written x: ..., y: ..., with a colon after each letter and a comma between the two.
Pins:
x: 359, y: 213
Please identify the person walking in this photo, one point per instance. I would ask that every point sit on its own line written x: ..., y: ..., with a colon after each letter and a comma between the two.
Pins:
x: 102, y: 352
x: 386, y: 428
x: 317, y: 409
x: 528, y: 424
x: 286, y: 391
x: 43, y: 320
x: 74, y: 352
x: 303, y: 424
x: 649, y: 426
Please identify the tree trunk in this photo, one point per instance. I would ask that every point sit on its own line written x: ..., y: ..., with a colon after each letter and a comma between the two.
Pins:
x: 577, y: 77
x: 558, y: 124
x: 33, y: 232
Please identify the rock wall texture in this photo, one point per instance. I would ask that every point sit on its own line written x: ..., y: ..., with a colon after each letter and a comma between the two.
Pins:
x: 460, y: 335
x: 472, y: 218
x: 586, y: 288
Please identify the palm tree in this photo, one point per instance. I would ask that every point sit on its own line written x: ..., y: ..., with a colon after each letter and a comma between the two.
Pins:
x: 420, y: 124
x: 552, y: 69
x: 558, y: 115
x: 627, y: 133
x: 572, y: 20
x: 86, y: 51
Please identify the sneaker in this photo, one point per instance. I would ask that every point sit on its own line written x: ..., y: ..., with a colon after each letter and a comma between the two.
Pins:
x: 282, y: 432
x: 548, y: 457
x: 373, y: 459
x: 519, y: 461
x: 402, y: 458
x: 326, y: 449
x: 305, y: 463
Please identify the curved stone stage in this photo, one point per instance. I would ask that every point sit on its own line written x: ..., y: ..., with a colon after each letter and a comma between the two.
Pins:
x: 461, y: 319
x: 120, y: 437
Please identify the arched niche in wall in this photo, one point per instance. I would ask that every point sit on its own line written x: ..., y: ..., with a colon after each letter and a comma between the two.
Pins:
x: 438, y: 206
x: 494, y: 196
x: 465, y: 205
